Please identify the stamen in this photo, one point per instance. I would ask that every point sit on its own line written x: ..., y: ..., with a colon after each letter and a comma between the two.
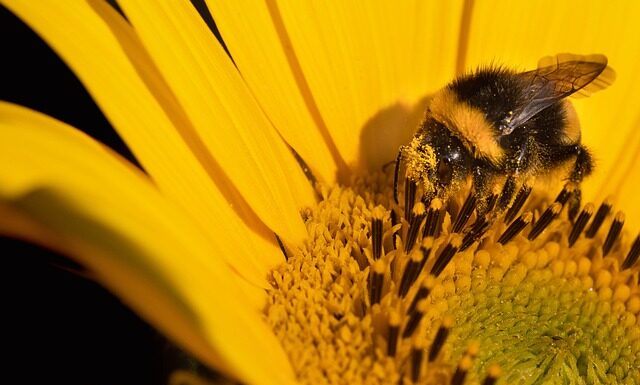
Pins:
x: 581, y: 223
x: 465, y: 213
x: 478, y: 229
x: 376, y: 238
x: 493, y: 373
x: 411, y: 272
x: 426, y: 251
x: 445, y: 256
x: 507, y: 192
x: 377, y: 281
x: 633, y: 255
x: 415, y: 221
x: 614, y: 232
x: 410, y: 188
x: 392, y: 336
x: 565, y: 194
x: 433, y: 218
x: 416, y: 362
x: 515, y: 228
x: 465, y: 364
x: 602, y: 213
x: 518, y: 202
x: 394, y: 221
x: 545, y: 219
x: 414, y: 319
x: 441, y: 337
x: 461, y: 371
x: 423, y: 292
x: 491, y: 203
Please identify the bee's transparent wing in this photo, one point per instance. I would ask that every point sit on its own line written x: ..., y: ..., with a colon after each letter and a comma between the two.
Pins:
x: 556, y: 78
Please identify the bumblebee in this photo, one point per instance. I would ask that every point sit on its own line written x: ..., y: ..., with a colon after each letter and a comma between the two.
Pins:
x: 502, y: 130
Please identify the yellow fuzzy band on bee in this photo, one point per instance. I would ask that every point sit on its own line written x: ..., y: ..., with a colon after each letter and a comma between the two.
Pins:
x: 468, y: 124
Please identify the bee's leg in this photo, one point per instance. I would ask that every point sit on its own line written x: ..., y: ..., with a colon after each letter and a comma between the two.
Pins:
x: 515, y: 168
x: 396, y: 173
x: 482, y: 184
x: 582, y: 168
x: 508, y: 191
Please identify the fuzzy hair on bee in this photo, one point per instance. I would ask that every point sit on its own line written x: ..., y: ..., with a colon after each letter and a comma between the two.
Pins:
x: 503, y: 130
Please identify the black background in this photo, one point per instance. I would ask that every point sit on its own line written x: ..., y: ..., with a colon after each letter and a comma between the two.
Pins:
x: 57, y: 326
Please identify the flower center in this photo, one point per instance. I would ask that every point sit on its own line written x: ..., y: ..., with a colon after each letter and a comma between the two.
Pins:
x: 426, y: 292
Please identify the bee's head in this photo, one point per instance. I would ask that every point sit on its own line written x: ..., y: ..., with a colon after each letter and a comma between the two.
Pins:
x: 453, y: 161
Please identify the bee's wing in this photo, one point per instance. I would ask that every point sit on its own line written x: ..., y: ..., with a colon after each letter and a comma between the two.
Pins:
x: 556, y: 78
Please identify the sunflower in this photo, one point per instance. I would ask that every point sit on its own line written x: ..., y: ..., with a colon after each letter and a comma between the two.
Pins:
x: 225, y: 246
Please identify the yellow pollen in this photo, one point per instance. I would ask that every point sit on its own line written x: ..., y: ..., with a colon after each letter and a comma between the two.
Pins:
x: 437, y: 295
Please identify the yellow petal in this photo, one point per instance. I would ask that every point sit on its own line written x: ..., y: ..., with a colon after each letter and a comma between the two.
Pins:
x: 624, y: 181
x: 368, y: 66
x: 107, y: 215
x: 102, y: 50
x: 519, y: 33
x: 21, y: 218
x: 259, y: 52
x: 224, y: 113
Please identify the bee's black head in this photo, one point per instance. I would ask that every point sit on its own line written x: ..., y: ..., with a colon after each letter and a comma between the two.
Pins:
x: 453, y: 160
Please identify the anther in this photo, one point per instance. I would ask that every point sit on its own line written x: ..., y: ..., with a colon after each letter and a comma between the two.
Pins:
x: 392, y: 336
x: 507, y: 192
x: 580, y: 223
x: 433, y: 218
x: 416, y: 362
x: 445, y: 256
x: 602, y: 213
x: 441, y: 337
x: 491, y: 203
x: 376, y: 281
x: 480, y: 226
x: 515, y: 228
x: 518, y: 202
x: 411, y: 272
x: 465, y: 364
x: 473, y: 349
x: 414, y: 319
x: 410, y: 188
x: 614, y: 232
x: 461, y: 371
x: 394, y: 221
x: 633, y: 254
x: 465, y: 213
x: 545, y: 219
x: 423, y: 292
x: 415, y: 221
x: 425, y: 249
x: 565, y: 194
x: 574, y: 205
x: 493, y: 373
x: 376, y: 233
